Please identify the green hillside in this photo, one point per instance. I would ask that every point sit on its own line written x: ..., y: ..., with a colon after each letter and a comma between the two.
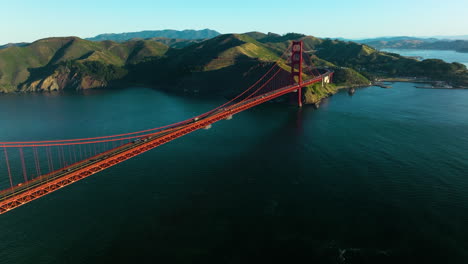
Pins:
x: 220, y: 52
x: 21, y: 65
x: 176, y: 43
x: 225, y: 64
x: 233, y: 60
x: 367, y: 61
x: 374, y: 64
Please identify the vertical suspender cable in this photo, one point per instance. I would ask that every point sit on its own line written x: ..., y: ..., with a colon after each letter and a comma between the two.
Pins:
x: 23, y: 164
x: 8, y: 166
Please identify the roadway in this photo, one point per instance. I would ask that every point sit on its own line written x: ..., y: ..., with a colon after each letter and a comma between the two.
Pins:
x: 21, y: 194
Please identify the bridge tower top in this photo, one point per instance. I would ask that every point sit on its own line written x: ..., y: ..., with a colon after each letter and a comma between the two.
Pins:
x: 296, y: 62
x: 296, y: 67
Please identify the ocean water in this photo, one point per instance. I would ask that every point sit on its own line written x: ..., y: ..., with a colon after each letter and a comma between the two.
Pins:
x: 446, y: 55
x: 379, y: 177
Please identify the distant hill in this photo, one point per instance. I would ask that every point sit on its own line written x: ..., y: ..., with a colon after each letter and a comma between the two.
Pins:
x: 170, y: 34
x: 416, y: 43
x: 21, y: 44
x: 396, y: 38
x: 459, y: 37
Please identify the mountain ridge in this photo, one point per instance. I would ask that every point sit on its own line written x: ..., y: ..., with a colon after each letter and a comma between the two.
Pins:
x: 188, y: 34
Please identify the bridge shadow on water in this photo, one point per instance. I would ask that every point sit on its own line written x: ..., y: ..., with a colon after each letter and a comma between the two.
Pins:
x: 219, y: 196
x: 256, y: 207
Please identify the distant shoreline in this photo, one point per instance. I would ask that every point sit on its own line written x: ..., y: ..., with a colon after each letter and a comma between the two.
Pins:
x: 442, y: 88
x: 419, y: 80
x: 406, y: 79
x: 420, y: 49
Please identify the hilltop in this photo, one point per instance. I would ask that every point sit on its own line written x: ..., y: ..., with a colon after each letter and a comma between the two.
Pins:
x: 198, y: 66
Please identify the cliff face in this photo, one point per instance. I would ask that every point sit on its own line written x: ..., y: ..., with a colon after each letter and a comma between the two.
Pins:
x: 63, y: 80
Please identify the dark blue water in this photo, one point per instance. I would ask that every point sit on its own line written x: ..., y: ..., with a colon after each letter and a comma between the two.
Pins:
x: 380, y: 177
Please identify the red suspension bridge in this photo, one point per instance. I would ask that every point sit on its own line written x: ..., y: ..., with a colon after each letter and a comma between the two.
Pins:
x: 33, y: 169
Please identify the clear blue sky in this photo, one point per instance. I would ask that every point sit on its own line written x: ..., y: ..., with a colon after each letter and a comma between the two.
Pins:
x: 28, y: 20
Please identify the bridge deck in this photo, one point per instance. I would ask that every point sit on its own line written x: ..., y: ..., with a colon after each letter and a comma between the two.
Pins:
x: 45, y: 184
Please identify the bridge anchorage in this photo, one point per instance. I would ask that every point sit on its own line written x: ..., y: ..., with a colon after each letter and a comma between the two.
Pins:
x: 32, y: 169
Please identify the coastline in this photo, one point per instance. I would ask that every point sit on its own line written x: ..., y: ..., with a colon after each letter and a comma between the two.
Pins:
x: 435, y: 84
x: 316, y: 103
x: 442, y: 88
x: 405, y: 79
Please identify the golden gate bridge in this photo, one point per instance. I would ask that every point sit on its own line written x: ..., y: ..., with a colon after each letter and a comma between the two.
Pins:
x: 33, y: 169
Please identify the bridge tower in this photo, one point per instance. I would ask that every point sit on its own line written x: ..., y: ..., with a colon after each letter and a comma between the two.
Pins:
x: 296, y: 68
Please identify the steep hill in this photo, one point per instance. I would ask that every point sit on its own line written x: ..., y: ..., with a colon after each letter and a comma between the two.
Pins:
x: 232, y: 60
x: 27, y: 68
